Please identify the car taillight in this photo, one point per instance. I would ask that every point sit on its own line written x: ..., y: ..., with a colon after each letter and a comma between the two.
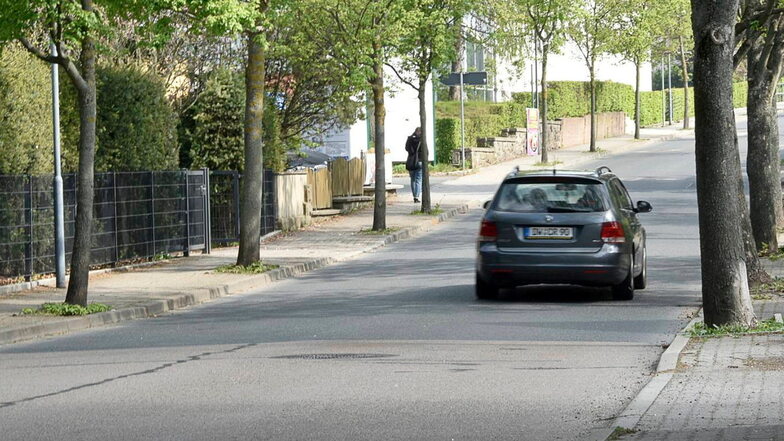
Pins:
x: 488, y: 232
x: 612, y: 232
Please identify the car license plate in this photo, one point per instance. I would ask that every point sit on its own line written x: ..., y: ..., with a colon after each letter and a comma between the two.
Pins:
x: 561, y: 233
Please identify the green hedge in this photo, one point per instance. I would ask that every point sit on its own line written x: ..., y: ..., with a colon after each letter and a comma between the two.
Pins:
x: 573, y: 98
x: 739, y: 92
x: 565, y: 99
x: 447, y: 138
x: 211, y: 132
x: 136, y: 128
x: 650, y: 108
x: 25, y: 113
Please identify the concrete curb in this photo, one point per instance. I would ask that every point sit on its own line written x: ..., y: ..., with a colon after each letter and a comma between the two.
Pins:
x: 632, y: 414
x: 157, y: 307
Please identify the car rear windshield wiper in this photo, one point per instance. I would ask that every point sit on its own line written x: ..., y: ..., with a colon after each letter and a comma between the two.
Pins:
x: 568, y: 210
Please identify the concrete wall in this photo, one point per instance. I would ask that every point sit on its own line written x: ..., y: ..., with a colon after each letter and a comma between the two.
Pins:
x: 577, y: 131
x: 293, y: 200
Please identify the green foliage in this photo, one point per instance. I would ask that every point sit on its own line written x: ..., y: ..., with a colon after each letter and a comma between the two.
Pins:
x: 136, y: 126
x: 651, y: 108
x: 572, y: 99
x: 618, y: 432
x: 25, y: 113
x: 435, y: 211
x: 447, y: 138
x: 274, y: 148
x: 700, y: 329
x: 64, y: 309
x: 483, y: 120
x: 212, y: 130
x: 384, y: 232
x: 254, y: 268
x: 214, y: 124
x: 739, y: 92
x: 767, y: 290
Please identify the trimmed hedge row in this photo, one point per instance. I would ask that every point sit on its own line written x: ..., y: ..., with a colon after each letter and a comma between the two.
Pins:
x: 565, y: 99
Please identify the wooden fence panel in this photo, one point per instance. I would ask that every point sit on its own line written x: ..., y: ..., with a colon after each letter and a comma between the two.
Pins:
x: 348, y: 177
x: 320, y: 182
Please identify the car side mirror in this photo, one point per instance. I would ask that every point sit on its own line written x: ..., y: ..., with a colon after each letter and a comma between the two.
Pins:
x: 486, y: 204
x: 644, y: 207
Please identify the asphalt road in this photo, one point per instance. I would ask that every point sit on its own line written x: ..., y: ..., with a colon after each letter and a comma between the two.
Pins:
x: 390, y: 346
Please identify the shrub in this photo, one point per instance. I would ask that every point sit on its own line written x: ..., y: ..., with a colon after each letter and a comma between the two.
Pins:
x: 135, y: 126
x: 572, y: 99
x: 25, y: 113
x: 211, y: 133
x: 739, y: 92
x: 447, y: 138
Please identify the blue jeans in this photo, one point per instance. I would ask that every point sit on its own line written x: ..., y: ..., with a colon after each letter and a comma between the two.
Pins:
x: 416, y: 182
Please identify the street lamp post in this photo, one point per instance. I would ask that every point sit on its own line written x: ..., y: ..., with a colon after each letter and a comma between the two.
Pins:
x: 663, y: 106
x: 462, y: 119
x: 669, y: 83
x: 59, y: 223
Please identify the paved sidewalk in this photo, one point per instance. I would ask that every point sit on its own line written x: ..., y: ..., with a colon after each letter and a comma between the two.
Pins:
x: 728, y: 388
x: 155, y: 289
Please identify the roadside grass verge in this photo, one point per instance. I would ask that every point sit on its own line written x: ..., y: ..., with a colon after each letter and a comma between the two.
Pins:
x: 618, y: 432
x: 767, y: 291
x: 547, y: 164
x: 400, y: 169
x: 700, y: 329
x: 434, y: 211
x: 371, y: 232
x: 64, y: 309
x: 254, y: 268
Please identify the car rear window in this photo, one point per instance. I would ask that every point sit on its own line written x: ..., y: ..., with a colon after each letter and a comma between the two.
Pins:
x: 550, y: 197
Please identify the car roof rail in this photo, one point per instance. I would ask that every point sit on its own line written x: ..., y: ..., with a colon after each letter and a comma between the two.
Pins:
x: 602, y: 170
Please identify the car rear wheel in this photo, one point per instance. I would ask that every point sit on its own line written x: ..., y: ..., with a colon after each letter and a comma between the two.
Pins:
x: 641, y: 281
x: 485, y: 290
x: 625, y: 289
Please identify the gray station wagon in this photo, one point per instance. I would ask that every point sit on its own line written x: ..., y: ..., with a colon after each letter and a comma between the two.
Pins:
x: 562, y: 227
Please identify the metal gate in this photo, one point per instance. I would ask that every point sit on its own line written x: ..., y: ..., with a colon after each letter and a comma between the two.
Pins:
x: 197, y: 197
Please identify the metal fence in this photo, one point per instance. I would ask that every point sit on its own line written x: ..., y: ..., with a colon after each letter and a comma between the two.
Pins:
x: 137, y: 215
x: 225, y: 205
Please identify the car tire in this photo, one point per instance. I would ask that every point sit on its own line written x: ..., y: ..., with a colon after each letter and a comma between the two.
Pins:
x: 641, y: 281
x: 625, y: 289
x: 485, y: 290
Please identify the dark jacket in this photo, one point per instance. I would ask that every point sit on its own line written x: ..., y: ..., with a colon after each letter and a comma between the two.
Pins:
x: 412, y: 148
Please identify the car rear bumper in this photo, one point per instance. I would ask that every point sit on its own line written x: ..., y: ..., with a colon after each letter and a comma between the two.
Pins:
x: 608, y: 265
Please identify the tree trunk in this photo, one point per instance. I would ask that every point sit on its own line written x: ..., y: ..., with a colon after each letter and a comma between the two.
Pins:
x: 424, y: 155
x: 457, y: 65
x: 755, y: 271
x: 725, y: 290
x: 253, y: 169
x: 685, y: 66
x: 762, y: 161
x: 80, y: 259
x: 543, y: 104
x: 592, y: 69
x: 379, y: 113
x: 637, y: 98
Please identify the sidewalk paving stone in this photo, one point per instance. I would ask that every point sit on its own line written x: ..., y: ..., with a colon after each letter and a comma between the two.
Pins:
x: 725, y: 388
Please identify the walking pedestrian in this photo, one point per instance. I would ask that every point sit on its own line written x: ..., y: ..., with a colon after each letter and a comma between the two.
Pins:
x: 413, y: 163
